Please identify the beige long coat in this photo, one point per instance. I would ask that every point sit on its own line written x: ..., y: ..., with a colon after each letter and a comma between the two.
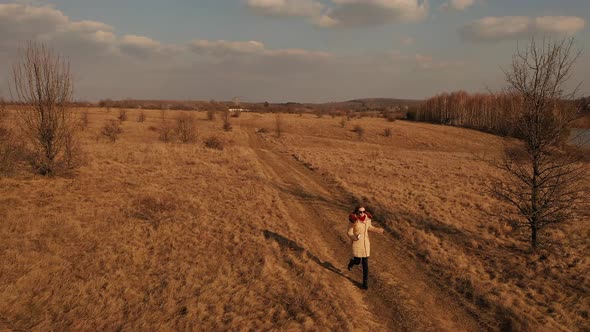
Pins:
x: 362, y: 246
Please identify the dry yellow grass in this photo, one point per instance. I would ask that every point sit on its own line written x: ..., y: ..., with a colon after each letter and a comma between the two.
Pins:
x: 151, y: 235
x: 427, y: 182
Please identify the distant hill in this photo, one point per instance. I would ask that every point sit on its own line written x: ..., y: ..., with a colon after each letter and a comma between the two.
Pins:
x: 364, y: 104
x: 386, y: 102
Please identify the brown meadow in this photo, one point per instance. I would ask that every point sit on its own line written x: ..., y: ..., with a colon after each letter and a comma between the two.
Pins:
x: 165, y: 235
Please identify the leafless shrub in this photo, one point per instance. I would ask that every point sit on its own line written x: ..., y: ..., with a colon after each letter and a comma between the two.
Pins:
x: 166, y: 132
x: 390, y: 116
x: 74, y: 156
x: 112, y: 130
x: 319, y: 113
x: 141, y: 117
x: 185, y: 128
x: 226, y: 123
x: 3, y: 111
x: 279, y: 125
x: 211, y: 115
x: 8, y: 143
x: 42, y: 81
x: 543, y: 181
x: 84, y: 120
x: 122, y: 115
x: 387, y: 132
x: 214, y: 142
x: 359, y: 130
x: 343, y: 122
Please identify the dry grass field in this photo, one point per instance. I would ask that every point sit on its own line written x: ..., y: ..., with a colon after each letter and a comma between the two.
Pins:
x: 150, y: 235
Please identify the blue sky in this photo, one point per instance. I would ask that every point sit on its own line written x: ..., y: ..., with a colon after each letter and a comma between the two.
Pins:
x: 287, y: 50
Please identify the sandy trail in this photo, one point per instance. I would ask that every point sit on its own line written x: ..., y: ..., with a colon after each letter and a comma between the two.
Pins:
x: 400, y: 297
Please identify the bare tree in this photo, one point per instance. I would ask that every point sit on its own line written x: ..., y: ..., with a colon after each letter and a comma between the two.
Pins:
x: 542, y: 175
x: 43, y: 82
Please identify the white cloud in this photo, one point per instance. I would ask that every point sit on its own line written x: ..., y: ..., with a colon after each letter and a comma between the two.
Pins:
x: 516, y: 27
x: 457, y: 4
x: 223, y: 47
x: 559, y: 24
x: 305, y: 8
x: 19, y: 22
x: 348, y: 13
x: 139, y: 46
x: 325, y: 21
x: 89, y: 26
x: 420, y: 61
x: 242, y: 48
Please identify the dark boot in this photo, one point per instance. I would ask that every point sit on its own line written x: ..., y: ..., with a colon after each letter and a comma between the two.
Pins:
x: 351, y: 264
x: 353, y: 261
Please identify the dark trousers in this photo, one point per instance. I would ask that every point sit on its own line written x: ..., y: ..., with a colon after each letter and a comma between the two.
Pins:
x: 365, y: 261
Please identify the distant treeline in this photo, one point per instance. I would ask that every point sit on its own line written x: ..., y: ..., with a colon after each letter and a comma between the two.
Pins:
x: 495, y: 113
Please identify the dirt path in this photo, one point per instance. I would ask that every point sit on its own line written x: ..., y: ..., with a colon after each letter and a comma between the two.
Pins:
x: 400, y: 294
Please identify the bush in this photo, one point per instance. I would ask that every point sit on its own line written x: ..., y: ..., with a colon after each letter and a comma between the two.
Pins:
x: 279, y: 125
x: 42, y: 80
x: 211, y: 115
x: 8, y: 150
x: 226, y: 124
x: 166, y: 132
x: 3, y: 111
x: 122, y: 115
x: 236, y: 114
x: 387, y: 132
x: 390, y: 116
x: 185, y: 128
x: 112, y: 130
x: 84, y: 120
x: 412, y: 114
x: 7, y: 142
x: 360, y: 131
x: 343, y: 122
x: 213, y: 142
x: 141, y: 117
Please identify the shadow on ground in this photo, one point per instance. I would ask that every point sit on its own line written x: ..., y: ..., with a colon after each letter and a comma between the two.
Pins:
x: 288, y: 244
